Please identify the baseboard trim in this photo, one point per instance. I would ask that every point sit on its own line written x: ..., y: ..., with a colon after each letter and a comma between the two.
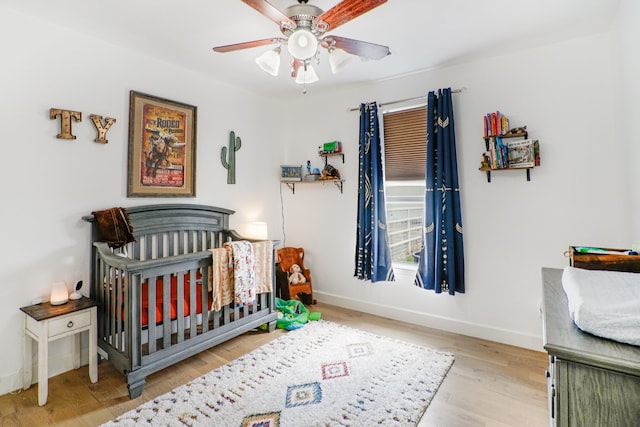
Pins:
x: 57, y: 365
x: 505, y: 336
x: 10, y: 383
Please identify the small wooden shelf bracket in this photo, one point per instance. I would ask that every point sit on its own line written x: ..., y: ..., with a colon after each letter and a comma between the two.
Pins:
x: 527, y: 171
x: 337, y: 182
x: 291, y: 186
x: 325, y: 156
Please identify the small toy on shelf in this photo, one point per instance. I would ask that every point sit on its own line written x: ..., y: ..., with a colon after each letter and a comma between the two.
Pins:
x: 330, y: 147
x: 516, y: 131
x: 290, y: 173
x: 485, y: 164
x: 329, y: 172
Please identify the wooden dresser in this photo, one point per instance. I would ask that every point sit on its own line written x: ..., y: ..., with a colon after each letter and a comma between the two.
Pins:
x: 591, y: 381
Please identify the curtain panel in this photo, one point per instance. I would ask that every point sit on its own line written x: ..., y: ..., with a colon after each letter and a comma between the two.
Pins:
x: 373, y: 255
x: 441, y: 265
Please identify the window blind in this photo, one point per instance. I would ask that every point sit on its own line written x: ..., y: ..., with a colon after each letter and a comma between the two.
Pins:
x: 405, y: 144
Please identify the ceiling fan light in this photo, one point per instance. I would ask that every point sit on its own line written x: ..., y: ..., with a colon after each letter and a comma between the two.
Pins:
x: 338, y: 58
x: 302, y: 44
x: 306, y: 74
x: 269, y: 61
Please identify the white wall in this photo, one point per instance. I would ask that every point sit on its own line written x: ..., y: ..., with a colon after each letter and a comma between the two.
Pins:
x: 627, y: 33
x: 564, y: 94
x: 50, y: 183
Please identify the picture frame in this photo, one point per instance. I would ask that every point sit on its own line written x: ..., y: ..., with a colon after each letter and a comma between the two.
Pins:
x: 162, y: 147
x: 289, y: 173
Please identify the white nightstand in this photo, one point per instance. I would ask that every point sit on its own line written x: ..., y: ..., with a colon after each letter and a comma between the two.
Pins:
x: 44, y: 323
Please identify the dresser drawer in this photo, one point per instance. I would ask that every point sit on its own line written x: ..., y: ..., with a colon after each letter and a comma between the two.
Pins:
x: 69, y: 323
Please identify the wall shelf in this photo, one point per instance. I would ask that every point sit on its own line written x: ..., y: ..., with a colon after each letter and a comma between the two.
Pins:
x: 486, y: 163
x: 292, y: 184
x: 337, y: 181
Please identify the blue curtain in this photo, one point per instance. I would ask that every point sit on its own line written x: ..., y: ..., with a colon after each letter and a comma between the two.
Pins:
x: 373, y: 256
x: 441, y: 265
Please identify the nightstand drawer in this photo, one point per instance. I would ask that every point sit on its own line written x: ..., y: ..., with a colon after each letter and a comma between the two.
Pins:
x: 65, y: 324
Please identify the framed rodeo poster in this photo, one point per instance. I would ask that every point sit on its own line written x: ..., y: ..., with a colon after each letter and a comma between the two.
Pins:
x: 162, y: 147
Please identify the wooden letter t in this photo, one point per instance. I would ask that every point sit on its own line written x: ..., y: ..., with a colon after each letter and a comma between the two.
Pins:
x: 65, y: 121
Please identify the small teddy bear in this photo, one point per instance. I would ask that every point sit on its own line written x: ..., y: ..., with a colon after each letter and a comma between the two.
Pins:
x: 295, y: 275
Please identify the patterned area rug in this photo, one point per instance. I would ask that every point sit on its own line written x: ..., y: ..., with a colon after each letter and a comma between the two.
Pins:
x: 323, y: 374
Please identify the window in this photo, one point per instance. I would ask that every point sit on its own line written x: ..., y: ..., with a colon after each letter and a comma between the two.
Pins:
x: 405, y: 138
x: 405, y: 210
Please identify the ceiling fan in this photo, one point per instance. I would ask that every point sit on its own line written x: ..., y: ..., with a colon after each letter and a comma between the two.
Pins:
x: 304, y: 28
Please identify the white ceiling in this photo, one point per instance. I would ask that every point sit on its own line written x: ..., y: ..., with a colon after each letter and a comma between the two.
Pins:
x: 421, y: 34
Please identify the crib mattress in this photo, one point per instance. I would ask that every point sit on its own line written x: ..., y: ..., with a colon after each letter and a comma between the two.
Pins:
x: 604, y: 303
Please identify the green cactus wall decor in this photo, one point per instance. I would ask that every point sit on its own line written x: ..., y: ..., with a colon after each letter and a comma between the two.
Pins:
x: 234, y: 145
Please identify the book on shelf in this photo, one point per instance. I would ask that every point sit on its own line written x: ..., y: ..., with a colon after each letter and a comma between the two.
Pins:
x: 536, y: 152
x: 497, y: 153
x: 522, y: 153
x: 495, y: 123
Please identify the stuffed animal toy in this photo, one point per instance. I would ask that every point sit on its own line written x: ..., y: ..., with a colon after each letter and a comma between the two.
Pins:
x: 329, y: 172
x: 295, y: 275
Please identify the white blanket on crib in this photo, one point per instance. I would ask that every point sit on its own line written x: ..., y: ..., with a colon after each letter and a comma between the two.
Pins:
x: 222, y: 282
x: 604, y: 303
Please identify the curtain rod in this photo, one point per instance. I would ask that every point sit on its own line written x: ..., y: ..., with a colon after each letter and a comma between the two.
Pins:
x: 417, y: 98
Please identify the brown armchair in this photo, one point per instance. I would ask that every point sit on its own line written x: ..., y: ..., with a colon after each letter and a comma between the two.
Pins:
x: 286, y: 258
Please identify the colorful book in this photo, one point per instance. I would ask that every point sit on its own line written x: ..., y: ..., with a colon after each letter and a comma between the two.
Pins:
x: 522, y: 153
x: 503, y: 155
x: 495, y: 123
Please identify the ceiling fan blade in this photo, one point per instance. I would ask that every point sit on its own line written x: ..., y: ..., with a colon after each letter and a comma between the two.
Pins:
x: 271, y: 12
x: 347, y: 10
x: 356, y: 47
x: 247, y: 45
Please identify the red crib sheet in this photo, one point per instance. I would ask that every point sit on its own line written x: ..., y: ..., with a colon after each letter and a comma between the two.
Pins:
x: 173, y: 299
x: 173, y: 311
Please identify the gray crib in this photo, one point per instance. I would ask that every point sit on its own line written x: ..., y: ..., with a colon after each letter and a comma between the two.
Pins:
x: 171, y: 250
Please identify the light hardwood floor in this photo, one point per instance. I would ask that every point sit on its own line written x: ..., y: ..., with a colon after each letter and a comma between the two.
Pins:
x: 490, y: 384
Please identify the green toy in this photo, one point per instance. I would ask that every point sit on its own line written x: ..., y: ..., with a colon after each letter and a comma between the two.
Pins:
x: 293, y: 314
x: 234, y: 145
